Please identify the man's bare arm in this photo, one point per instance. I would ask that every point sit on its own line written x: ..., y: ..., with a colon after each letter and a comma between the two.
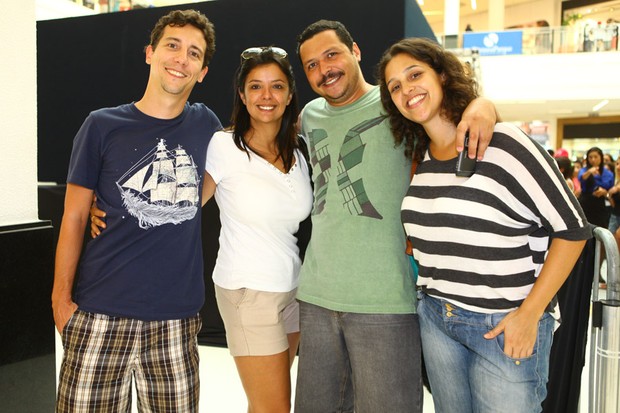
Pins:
x: 77, y: 204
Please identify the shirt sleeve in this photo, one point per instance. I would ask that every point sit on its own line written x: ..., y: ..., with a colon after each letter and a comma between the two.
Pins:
x: 85, y: 163
x: 607, y: 180
x: 543, y: 189
x: 217, y: 154
x: 580, y: 176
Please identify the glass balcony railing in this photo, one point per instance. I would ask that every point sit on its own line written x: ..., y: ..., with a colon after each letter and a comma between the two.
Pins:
x: 539, y: 40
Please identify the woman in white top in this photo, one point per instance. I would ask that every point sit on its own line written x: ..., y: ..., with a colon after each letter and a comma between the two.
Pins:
x: 262, y: 187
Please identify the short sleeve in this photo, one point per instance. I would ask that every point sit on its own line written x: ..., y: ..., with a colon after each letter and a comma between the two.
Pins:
x: 85, y: 163
x: 217, y: 155
x: 607, y: 179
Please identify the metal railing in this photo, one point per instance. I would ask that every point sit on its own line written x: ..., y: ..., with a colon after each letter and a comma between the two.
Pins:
x: 604, y: 392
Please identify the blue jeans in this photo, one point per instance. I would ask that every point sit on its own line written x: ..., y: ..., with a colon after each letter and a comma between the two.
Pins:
x: 364, y: 362
x: 614, y: 223
x: 469, y: 373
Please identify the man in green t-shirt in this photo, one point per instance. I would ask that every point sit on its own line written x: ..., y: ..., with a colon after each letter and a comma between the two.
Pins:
x: 357, y: 296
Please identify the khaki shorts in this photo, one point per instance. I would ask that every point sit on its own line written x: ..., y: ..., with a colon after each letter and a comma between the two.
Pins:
x: 257, y: 322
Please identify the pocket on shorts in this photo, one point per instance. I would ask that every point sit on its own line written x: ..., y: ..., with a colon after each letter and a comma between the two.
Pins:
x: 69, y: 328
x: 69, y: 321
x: 235, y: 297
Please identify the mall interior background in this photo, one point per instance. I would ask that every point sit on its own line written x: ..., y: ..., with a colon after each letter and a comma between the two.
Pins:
x: 547, y: 26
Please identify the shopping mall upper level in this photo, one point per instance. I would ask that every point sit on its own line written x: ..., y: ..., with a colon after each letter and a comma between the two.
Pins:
x: 546, y: 60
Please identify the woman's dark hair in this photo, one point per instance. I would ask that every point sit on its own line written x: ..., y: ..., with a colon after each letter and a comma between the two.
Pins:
x: 286, y: 139
x: 566, y: 167
x: 611, y: 167
x: 459, y: 89
x: 600, y: 154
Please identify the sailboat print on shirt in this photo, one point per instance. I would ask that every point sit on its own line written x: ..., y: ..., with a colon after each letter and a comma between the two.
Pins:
x: 162, y: 188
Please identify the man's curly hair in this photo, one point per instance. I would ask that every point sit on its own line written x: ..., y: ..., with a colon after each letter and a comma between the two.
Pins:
x: 179, y: 18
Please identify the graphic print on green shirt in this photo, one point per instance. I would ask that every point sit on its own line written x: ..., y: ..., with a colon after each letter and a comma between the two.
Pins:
x: 355, y: 198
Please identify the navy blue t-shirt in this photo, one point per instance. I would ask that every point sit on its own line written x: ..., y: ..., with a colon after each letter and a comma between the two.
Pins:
x: 147, y: 175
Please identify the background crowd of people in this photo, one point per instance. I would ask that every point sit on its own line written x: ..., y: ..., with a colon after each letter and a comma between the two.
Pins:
x: 595, y: 181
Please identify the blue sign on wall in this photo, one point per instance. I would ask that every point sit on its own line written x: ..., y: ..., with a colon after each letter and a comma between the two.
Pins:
x: 494, y: 43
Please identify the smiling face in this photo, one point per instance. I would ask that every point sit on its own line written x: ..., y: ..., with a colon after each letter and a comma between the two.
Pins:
x: 415, y: 89
x: 176, y: 62
x: 332, y: 69
x: 266, y: 93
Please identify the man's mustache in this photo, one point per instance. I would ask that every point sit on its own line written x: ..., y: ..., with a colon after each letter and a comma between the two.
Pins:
x: 330, y: 75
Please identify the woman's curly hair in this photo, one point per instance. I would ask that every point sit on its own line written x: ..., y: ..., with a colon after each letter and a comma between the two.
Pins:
x: 459, y: 89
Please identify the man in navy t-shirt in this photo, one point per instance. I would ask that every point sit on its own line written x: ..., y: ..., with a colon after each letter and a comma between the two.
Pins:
x: 133, y: 314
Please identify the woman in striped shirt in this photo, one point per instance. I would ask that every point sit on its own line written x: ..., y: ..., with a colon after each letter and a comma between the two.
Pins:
x: 493, y: 248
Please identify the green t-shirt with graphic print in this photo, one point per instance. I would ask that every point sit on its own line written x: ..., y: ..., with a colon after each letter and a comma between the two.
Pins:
x: 356, y: 259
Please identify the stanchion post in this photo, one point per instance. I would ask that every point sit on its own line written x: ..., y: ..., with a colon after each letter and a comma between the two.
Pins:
x: 604, y: 394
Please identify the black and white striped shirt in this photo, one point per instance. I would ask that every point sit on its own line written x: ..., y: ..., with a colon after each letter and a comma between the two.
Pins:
x: 481, y: 241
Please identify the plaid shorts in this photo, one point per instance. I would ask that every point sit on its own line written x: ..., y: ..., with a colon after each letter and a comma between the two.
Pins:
x: 102, y: 354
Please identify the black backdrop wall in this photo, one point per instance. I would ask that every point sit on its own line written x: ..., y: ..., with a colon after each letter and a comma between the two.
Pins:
x: 97, y: 61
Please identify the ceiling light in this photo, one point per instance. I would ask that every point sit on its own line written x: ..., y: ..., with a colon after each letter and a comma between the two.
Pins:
x: 600, y: 105
x: 421, y: 2
x: 474, y: 6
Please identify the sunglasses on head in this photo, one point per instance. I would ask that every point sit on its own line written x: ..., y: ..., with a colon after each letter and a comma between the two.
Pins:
x: 251, y: 52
